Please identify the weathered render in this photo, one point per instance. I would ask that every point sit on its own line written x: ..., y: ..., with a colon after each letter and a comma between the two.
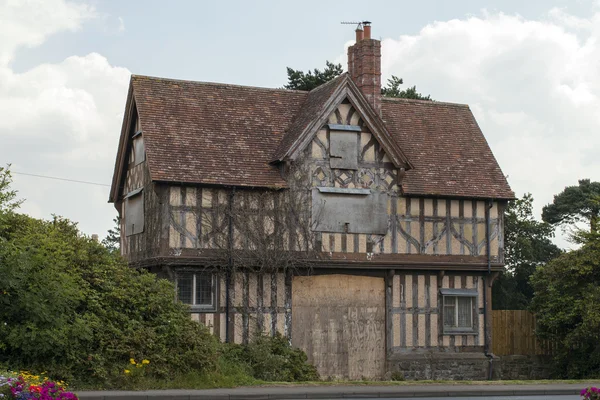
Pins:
x: 366, y: 230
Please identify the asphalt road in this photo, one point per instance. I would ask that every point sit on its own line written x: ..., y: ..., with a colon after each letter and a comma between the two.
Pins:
x: 432, y: 392
x: 574, y: 397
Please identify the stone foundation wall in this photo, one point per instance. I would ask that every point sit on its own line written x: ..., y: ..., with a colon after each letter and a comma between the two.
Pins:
x: 523, y: 367
x: 433, y: 366
x: 468, y: 367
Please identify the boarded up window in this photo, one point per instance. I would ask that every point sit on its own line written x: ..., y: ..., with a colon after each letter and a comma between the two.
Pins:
x: 350, y: 211
x: 343, y: 150
x: 134, y: 213
x: 138, y: 148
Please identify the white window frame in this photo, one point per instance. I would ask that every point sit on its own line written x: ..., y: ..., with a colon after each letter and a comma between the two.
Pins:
x: 454, y: 294
x: 212, y: 307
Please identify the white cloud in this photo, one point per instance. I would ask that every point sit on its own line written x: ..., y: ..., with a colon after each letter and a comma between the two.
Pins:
x: 30, y: 22
x: 121, y: 25
x: 59, y: 119
x: 533, y: 86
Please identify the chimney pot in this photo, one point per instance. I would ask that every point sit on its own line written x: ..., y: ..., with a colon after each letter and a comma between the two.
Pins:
x: 367, y: 34
x: 364, y: 66
x: 359, y: 35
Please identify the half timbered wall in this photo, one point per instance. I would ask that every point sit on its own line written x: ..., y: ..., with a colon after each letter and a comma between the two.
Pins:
x: 260, y: 303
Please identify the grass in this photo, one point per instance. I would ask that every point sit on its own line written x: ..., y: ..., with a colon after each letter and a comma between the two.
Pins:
x: 214, y: 381
x: 231, y: 375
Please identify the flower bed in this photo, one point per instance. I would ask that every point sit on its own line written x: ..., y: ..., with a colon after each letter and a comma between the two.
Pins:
x: 26, y: 386
x: 590, y: 393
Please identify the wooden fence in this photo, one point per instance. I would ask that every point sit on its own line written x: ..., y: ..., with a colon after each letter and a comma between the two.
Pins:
x: 513, y: 333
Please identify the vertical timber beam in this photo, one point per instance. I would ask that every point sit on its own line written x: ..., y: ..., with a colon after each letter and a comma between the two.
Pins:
x: 389, y: 282
x: 288, y: 305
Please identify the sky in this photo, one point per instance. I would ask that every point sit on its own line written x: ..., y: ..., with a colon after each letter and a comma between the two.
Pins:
x: 529, y: 71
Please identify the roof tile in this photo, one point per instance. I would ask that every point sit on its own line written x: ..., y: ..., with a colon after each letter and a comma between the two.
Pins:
x: 210, y: 133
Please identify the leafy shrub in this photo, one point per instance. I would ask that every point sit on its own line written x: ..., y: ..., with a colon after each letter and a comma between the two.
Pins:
x: 567, y: 307
x: 272, y: 359
x: 73, y: 309
x: 397, y: 376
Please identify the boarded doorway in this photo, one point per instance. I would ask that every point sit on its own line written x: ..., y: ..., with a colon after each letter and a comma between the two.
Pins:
x: 339, y: 321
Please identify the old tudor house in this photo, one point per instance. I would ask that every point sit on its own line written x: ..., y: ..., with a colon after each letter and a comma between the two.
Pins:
x: 403, y: 199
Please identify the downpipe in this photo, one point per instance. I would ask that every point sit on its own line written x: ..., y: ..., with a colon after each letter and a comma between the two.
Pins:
x: 486, y: 346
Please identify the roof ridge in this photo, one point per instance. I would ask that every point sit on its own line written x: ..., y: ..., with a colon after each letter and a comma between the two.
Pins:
x: 329, y: 82
x: 205, y: 83
x: 429, y: 102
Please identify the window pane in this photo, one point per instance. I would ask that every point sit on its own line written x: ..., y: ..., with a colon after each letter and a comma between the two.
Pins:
x: 204, y: 289
x: 464, y: 312
x: 449, y: 311
x: 184, y: 288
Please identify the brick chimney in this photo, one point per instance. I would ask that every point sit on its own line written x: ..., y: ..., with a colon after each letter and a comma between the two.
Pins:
x: 364, y: 65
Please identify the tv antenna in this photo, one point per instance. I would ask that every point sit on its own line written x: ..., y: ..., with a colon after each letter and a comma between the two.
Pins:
x: 359, y: 24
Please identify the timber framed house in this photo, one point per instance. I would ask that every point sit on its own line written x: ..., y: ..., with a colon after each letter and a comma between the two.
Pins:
x: 368, y: 230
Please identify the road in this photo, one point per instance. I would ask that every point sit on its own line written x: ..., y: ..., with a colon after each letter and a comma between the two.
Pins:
x: 574, y: 397
x: 551, y: 391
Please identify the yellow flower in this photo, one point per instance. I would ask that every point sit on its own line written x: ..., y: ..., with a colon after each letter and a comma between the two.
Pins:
x: 145, y: 362
x: 132, y: 361
x: 127, y: 371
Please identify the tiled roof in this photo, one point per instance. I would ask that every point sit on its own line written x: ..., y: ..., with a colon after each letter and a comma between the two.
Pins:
x: 210, y: 133
x: 311, y: 108
x: 447, y: 149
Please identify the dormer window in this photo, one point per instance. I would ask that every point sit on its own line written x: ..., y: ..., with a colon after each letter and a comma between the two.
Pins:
x: 343, y: 148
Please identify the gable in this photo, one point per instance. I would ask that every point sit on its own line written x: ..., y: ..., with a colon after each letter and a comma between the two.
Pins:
x: 374, y: 169
x: 345, y: 141
x: 126, y: 154
x: 351, y: 175
x: 345, y: 104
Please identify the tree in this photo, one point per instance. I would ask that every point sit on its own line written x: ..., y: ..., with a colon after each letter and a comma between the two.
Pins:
x: 567, y: 308
x: 393, y: 90
x: 112, y: 241
x: 575, y: 204
x: 528, y: 245
x: 298, y: 80
x: 8, y: 198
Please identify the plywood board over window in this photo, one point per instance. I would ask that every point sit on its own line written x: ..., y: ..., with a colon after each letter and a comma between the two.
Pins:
x: 134, y: 212
x: 343, y: 151
x: 138, y: 148
x: 349, y: 210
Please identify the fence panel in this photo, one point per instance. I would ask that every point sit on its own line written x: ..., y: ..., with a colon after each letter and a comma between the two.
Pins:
x: 513, y: 333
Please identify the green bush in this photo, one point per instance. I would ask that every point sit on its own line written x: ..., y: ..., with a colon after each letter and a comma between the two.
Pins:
x: 73, y: 309
x: 272, y: 359
x: 567, y: 307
